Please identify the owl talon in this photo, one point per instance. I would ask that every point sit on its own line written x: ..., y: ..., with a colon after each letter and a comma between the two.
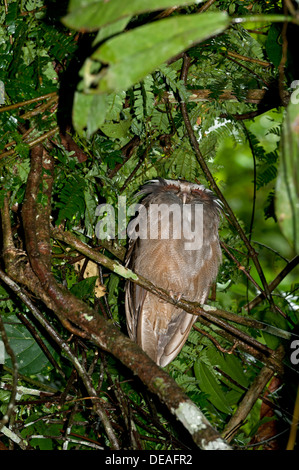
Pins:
x: 176, y: 296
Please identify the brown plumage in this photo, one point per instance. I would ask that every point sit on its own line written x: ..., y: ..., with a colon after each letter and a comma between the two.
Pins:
x: 161, y: 328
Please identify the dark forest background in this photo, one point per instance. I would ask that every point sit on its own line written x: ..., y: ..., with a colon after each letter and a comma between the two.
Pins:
x: 97, y: 98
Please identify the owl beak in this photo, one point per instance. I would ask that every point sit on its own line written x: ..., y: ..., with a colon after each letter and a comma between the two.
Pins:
x: 184, y: 197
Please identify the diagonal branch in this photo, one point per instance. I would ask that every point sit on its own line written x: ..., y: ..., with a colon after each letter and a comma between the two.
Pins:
x: 247, y: 402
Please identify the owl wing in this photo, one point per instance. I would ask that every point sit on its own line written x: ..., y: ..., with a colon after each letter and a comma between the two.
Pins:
x: 134, y: 295
x: 158, y: 327
x: 134, y: 300
x: 170, y: 343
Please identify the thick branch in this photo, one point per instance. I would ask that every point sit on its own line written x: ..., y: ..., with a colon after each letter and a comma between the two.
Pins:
x: 36, y: 219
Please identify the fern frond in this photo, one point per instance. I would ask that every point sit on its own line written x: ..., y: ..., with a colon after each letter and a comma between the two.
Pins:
x: 71, y: 202
x: 115, y: 103
x: 148, y: 84
x: 173, y: 82
x: 160, y: 122
x: 267, y: 173
x: 182, y: 163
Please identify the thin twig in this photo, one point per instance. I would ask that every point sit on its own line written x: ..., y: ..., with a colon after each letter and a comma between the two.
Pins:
x: 25, y: 103
x: 32, y: 143
x: 291, y: 7
x: 206, y: 6
x: 215, y: 342
x: 128, y: 152
x: 240, y: 266
x: 294, y: 426
x: 263, y: 63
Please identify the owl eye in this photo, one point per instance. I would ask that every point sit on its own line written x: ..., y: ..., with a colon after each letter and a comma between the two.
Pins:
x: 203, y: 194
x: 172, y: 187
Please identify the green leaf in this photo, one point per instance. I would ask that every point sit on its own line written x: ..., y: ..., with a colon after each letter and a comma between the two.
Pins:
x: 134, y: 54
x: 71, y: 200
x: 273, y: 46
x: 89, y: 112
x: 82, y: 103
x: 30, y: 357
x: 90, y: 15
x: 96, y: 115
x: 124, y: 272
x: 112, y: 286
x: 90, y: 209
x: 118, y: 130
x: 111, y: 29
x: 287, y: 185
x: 229, y: 364
x: 209, y: 385
x: 85, y: 288
x: 275, y: 320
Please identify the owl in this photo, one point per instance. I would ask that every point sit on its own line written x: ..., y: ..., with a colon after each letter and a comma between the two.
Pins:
x: 174, y: 243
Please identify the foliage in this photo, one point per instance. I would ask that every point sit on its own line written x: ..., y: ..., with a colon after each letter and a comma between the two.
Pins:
x: 108, y: 74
